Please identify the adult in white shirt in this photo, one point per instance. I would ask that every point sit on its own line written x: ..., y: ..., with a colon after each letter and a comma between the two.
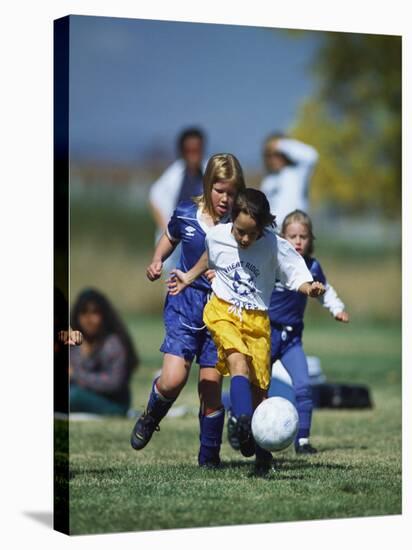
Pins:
x: 181, y: 181
x: 289, y: 164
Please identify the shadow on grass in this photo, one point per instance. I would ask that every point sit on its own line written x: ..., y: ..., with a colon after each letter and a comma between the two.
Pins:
x: 338, y: 448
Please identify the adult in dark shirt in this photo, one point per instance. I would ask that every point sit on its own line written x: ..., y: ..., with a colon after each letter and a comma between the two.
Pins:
x: 101, y: 367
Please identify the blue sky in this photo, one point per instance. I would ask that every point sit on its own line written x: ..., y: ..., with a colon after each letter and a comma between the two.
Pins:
x: 134, y: 84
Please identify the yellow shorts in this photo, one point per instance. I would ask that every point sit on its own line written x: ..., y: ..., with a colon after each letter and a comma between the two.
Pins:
x: 248, y: 333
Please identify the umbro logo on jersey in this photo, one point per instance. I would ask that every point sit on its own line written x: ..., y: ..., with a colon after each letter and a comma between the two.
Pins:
x: 190, y: 231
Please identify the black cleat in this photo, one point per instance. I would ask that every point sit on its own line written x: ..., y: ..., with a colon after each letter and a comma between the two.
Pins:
x: 213, y: 464
x: 244, y: 435
x: 232, y: 432
x: 305, y: 449
x: 143, y: 430
x: 263, y: 467
x: 264, y: 462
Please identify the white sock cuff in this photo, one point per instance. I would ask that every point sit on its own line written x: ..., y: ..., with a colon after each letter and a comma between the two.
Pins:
x: 161, y: 396
x: 215, y: 413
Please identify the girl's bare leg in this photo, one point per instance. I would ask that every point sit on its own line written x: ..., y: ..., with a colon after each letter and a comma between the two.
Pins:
x: 174, y: 375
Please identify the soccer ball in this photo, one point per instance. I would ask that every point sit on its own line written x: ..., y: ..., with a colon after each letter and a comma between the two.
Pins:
x: 275, y: 423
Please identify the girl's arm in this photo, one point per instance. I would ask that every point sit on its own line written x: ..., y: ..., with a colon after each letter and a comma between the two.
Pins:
x: 313, y: 289
x: 180, y: 280
x: 331, y: 301
x: 293, y: 272
x: 164, y: 248
x: 297, y: 151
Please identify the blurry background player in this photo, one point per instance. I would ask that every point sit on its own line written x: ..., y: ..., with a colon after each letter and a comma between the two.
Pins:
x: 186, y: 334
x: 101, y: 367
x: 247, y: 260
x: 181, y: 181
x: 286, y: 312
x: 289, y: 165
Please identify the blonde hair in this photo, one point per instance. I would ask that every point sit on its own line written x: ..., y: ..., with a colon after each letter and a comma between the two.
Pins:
x: 298, y: 216
x: 220, y: 167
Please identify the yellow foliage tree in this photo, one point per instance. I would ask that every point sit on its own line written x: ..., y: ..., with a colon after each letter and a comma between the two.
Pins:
x: 354, y: 121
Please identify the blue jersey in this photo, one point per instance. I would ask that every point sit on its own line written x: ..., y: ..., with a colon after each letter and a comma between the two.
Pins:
x: 192, y: 186
x: 287, y: 307
x: 186, y: 227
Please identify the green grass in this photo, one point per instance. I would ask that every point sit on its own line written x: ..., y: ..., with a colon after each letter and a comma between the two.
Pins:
x: 356, y: 473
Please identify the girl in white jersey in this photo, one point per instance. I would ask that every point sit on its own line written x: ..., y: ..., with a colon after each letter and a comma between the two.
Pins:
x: 248, y: 259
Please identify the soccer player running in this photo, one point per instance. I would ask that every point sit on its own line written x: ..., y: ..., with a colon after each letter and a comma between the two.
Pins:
x: 186, y: 334
x: 286, y: 312
x: 247, y: 259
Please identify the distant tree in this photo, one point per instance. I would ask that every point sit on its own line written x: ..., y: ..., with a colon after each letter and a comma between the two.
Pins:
x: 354, y: 120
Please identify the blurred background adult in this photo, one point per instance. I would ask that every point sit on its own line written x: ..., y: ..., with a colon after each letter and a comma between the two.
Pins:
x: 289, y: 164
x: 181, y: 181
x: 100, y: 368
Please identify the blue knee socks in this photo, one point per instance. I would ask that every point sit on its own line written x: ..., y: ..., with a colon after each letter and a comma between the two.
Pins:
x: 241, y: 396
x: 211, y: 429
x: 158, y: 405
x: 304, y: 407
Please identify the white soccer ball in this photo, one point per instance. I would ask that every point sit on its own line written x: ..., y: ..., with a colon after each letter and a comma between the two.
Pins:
x: 275, y: 424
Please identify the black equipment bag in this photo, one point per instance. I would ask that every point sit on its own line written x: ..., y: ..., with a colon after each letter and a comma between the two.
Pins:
x: 341, y: 396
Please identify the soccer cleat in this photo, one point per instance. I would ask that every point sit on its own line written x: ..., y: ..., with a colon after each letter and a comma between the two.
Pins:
x: 245, y: 436
x: 211, y: 464
x: 143, y: 430
x: 263, y: 462
x: 231, y: 432
x: 263, y: 467
x: 305, y: 449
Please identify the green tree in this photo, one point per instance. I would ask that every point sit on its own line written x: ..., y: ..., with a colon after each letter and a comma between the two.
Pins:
x: 354, y: 120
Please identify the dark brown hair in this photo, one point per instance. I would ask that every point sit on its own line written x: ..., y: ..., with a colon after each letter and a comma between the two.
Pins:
x: 254, y: 203
x: 112, y: 323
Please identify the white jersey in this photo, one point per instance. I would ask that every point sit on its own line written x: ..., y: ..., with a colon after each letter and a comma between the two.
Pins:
x: 287, y: 190
x: 246, y: 277
x: 164, y: 192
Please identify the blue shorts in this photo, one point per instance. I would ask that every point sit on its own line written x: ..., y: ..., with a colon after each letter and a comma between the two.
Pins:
x: 282, y: 339
x: 186, y: 334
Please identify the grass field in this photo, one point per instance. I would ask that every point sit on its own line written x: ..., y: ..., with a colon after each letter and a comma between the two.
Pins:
x: 356, y: 473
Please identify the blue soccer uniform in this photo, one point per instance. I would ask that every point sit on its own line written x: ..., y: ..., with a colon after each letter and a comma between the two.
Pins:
x: 286, y: 312
x: 186, y: 335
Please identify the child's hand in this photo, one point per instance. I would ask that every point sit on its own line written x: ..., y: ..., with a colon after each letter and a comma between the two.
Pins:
x: 70, y: 337
x: 343, y: 317
x: 210, y: 274
x: 316, y: 289
x: 154, y: 271
x: 177, y: 282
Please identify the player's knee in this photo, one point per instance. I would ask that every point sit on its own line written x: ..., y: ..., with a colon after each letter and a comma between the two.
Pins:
x: 170, y: 387
x: 238, y: 364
